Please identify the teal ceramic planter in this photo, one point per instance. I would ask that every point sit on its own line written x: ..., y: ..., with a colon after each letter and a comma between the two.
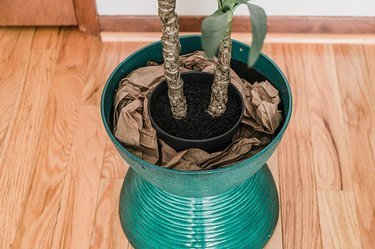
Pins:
x: 233, y: 207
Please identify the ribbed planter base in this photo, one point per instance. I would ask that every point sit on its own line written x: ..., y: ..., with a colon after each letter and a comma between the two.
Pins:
x: 243, y: 217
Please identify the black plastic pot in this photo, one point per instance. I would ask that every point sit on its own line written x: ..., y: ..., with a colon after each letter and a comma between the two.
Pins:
x: 213, y: 144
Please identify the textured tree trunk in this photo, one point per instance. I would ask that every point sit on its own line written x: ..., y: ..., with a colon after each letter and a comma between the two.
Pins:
x: 219, y: 94
x: 171, y: 53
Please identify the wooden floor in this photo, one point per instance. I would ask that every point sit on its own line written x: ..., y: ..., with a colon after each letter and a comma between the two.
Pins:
x: 60, y: 177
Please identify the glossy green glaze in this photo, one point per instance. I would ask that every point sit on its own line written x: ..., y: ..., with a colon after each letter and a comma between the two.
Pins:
x: 243, y: 217
x: 232, y: 207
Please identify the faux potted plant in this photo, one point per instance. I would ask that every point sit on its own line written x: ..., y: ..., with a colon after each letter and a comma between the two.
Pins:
x: 209, y: 132
x: 229, y: 207
x: 193, y: 127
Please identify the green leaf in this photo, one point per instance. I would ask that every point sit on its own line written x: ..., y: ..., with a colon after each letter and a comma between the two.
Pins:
x: 213, y: 31
x: 259, y: 30
x: 241, y: 1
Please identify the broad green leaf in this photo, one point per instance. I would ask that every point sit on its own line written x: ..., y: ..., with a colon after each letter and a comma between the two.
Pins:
x: 259, y: 30
x: 213, y: 31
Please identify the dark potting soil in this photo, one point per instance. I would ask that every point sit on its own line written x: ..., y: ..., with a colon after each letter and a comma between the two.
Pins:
x: 197, y: 124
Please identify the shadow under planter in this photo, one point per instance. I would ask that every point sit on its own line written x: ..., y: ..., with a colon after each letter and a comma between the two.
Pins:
x: 232, y: 207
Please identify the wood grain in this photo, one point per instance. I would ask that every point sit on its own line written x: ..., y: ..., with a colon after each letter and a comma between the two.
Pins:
x: 48, y: 38
x: 357, y: 100
x: 128, y: 48
x: 60, y: 176
x: 38, y: 220
x: 299, y: 204
x: 276, y: 241
x: 107, y: 232
x: 17, y: 167
x: 114, y: 166
x: 329, y: 146
x: 37, y: 12
x: 75, y: 219
x: 338, y: 220
x: 14, y: 59
x: 370, y: 63
x: 87, y: 17
x: 107, y: 62
x: 277, y: 24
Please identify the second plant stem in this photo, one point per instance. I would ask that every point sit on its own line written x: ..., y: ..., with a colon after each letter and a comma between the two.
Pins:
x: 219, y: 94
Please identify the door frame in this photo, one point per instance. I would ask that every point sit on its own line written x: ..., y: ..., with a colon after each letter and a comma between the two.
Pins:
x: 87, y: 17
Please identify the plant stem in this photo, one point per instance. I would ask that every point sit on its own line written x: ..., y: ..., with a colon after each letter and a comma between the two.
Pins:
x: 219, y: 94
x: 220, y: 2
x: 171, y: 53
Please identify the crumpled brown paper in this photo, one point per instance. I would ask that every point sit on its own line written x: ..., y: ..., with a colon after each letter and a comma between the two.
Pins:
x: 133, y: 128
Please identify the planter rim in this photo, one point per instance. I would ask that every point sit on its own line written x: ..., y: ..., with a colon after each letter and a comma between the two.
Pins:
x: 200, y: 172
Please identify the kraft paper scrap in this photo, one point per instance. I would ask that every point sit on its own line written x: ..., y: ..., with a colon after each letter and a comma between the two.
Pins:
x: 132, y: 126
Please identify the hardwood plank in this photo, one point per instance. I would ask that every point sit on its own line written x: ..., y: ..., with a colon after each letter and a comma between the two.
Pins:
x: 128, y: 48
x: 114, y: 167
x: 278, y: 24
x: 78, y: 204
x: 107, y: 231
x: 48, y: 38
x: 370, y: 62
x: 276, y: 241
x: 299, y: 207
x: 338, y: 220
x: 370, y: 67
x: 60, y: 176
x: 18, y: 162
x: 38, y: 220
x: 37, y: 12
x: 357, y: 102
x: 107, y: 62
x: 14, y: 58
x: 8, y: 37
x: 275, y: 51
x: 71, y: 55
x: 329, y: 146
